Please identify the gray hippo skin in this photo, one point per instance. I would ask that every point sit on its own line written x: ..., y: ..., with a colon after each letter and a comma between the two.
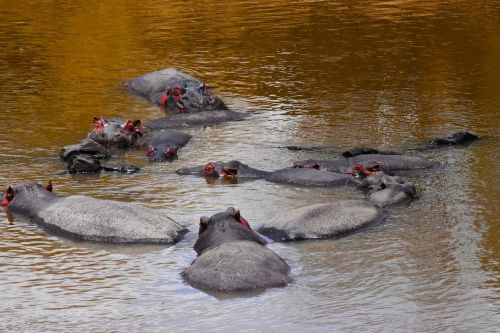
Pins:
x: 311, y: 177
x: 385, y: 190
x: 116, y: 133
x: 163, y: 145
x: 85, y: 147
x: 457, y: 138
x: 322, y: 220
x: 175, y: 91
x: 87, y: 219
x: 227, y: 170
x: 386, y: 162
x: 205, y: 118
x: 231, y: 257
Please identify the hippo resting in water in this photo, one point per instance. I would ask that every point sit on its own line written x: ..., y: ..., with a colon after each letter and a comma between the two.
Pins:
x: 163, y: 145
x: 385, y: 190
x: 116, y: 133
x: 225, y: 170
x: 311, y: 177
x: 205, y: 118
x: 175, y: 91
x: 383, y: 162
x: 88, y: 219
x: 232, y: 257
x: 322, y: 220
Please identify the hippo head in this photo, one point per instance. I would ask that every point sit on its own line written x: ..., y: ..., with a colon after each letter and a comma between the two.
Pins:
x: 384, y: 190
x: 11, y: 192
x: 362, y: 171
x: 224, y: 227
x: 310, y: 164
x: 116, y: 133
x: 161, y: 153
x: 172, y: 99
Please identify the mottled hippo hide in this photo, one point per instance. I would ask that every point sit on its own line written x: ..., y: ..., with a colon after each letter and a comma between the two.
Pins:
x: 322, y: 220
x: 205, y: 118
x: 232, y: 257
x: 175, y: 91
x: 385, y: 190
x: 163, y: 145
x: 88, y: 219
x: 311, y: 177
x: 116, y: 133
x: 385, y: 162
x: 226, y: 170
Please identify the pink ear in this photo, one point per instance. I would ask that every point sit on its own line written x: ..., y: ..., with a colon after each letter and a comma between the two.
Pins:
x: 48, y: 187
x: 151, y: 151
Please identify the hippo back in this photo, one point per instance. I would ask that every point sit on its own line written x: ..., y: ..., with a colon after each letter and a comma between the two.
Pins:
x: 238, y: 266
x: 392, y: 162
x: 322, y: 220
x: 310, y: 177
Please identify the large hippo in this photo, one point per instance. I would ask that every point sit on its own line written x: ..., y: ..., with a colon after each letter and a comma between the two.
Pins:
x: 205, y: 118
x: 232, y: 257
x: 87, y: 219
x: 385, y: 190
x: 175, y: 91
x: 227, y: 170
x: 384, y: 162
x: 310, y: 176
x: 116, y: 133
x: 322, y: 220
x: 163, y: 145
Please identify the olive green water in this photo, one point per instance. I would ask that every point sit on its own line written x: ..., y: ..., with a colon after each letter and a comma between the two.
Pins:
x: 384, y: 74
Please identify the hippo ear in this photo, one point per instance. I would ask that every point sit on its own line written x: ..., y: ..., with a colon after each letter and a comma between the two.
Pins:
x: 48, y: 187
x: 203, y: 224
x: 237, y: 215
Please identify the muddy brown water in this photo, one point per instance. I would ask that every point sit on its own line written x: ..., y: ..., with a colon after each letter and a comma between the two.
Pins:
x: 386, y: 74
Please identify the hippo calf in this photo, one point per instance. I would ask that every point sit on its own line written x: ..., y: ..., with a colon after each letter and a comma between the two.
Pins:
x: 87, y: 219
x: 322, y: 220
x: 232, y: 257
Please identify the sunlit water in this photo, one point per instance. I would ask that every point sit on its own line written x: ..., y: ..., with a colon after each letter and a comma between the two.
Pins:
x: 334, y: 74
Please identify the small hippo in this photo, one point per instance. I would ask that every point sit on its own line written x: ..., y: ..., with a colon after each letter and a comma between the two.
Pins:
x: 232, y: 257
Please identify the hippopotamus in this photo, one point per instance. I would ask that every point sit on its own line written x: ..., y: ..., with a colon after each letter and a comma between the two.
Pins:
x: 175, y: 91
x: 322, y: 220
x: 82, y: 163
x: 205, y: 118
x: 84, y: 218
x: 310, y: 176
x: 232, y: 257
x: 383, y: 162
x: 116, y: 133
x: 457, y: 138
x: 85, y: 147
x: 163, y: 145
x: 225, y: 170
x: 385, y: 190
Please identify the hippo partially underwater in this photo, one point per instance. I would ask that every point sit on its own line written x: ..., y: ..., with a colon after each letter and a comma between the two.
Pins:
x: 87, y: 219
x: 232, y: 257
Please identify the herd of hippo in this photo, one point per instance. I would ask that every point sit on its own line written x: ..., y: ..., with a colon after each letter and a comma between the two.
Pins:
x: 231, y: 256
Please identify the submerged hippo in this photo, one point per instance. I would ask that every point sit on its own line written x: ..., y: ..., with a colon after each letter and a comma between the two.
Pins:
x: 385, y: 190
x: 310, y: 176
x: 457, y: 138
x: 226, y: 170
x: 87, y: 219
x: 205, y: 118
x: 232, y: 257
x: 116, y: 133
x: 175, y: 91
x: 82, y: 163
x: 322, y: 220
x: 163, y: 145
x: 384, y: 162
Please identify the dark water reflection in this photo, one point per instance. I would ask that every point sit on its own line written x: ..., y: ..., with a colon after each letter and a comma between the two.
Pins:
x: 386, y: 74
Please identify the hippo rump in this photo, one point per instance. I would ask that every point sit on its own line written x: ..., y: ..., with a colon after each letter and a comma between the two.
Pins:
x: 322, y: 220
x: 87, y: 219
x: 311, y: 177
x: 232, y: 257
x: 384, y: 162
x: 175, y: 91
x: 384, y: 190
x: 163, y: 145
x: 225, y: 170
x: 205, y: 118
x: 116, y: 133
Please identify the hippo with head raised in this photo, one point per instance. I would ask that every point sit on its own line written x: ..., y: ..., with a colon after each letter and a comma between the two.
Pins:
x: 232, y: 257
x: 175, y: 91
x: 116, y: 133
x: 87, y: 219
x: 163, y: 145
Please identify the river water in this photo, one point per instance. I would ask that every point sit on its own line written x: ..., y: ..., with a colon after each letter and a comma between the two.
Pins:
x: 385, y: 74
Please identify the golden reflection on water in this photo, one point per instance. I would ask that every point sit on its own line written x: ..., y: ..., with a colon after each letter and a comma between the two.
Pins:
x: 378, y: 73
